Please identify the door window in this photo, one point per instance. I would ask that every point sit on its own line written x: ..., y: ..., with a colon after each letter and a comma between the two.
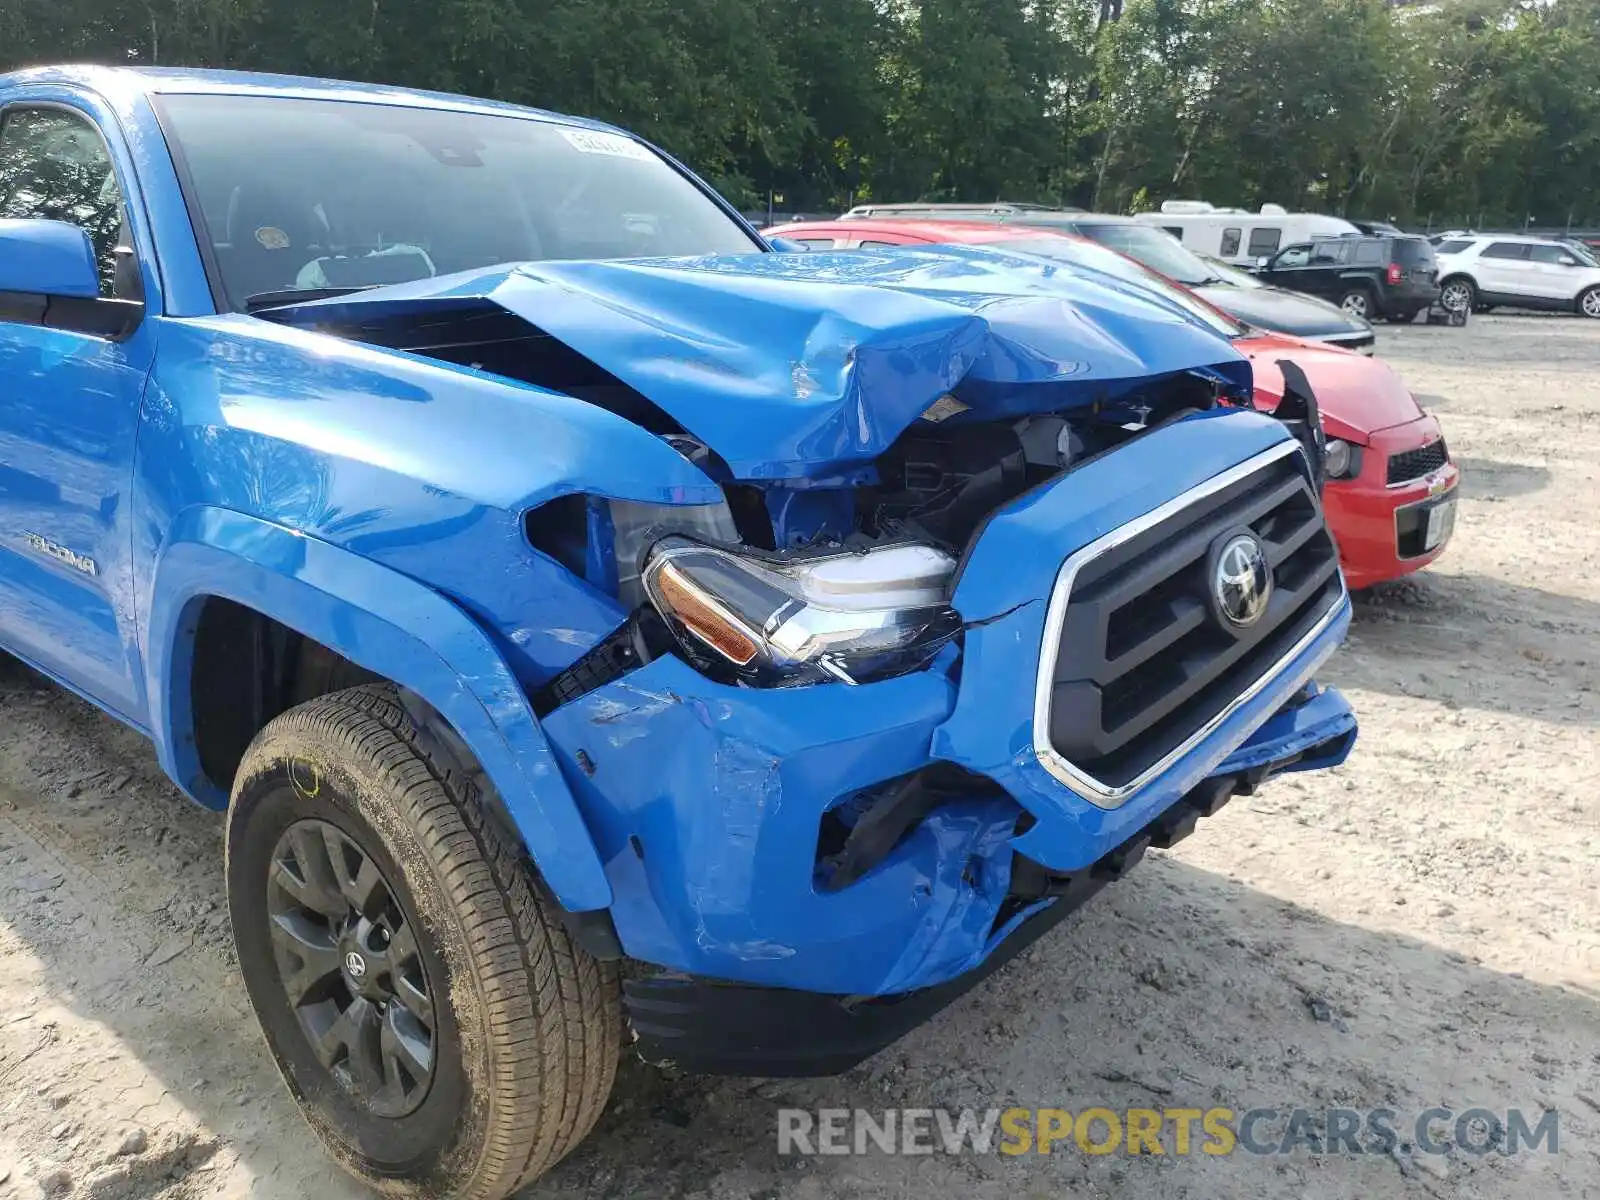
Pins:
x: 1454, y: 246
x: 54, y: 165
x: 1329, y: 253
x: 1292, y: 258
x: 1558, y: 255
x: 1370, y: 254
x: 1230, y: 242
x: 1517, y: 250
x: 1264, y: 239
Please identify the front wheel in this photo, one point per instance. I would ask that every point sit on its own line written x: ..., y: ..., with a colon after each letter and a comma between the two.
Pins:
x: 1589, y: 303
x: 1458, y: 295
x: 1357, y: 302
x: 441, y: 1032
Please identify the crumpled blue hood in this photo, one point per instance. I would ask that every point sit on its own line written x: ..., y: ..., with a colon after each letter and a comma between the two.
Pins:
x: 789, y: 364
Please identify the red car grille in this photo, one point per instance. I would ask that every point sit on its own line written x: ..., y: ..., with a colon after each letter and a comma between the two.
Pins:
x: 1414, y: 464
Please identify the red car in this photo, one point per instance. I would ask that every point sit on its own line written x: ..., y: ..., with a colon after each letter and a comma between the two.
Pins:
x: 1391, y: 490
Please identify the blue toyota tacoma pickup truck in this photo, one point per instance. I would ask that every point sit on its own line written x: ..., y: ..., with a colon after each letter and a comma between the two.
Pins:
x: 599, y: 628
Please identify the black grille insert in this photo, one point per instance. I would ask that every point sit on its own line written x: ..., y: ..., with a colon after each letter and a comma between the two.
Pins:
x: 1414, y: 464
x: 1143, y: 663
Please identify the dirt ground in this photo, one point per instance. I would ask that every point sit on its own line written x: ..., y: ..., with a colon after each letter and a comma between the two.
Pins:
x: 1416, y: 928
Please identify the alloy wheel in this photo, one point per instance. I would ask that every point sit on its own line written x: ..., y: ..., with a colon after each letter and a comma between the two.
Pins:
x: 1355, y: 304
x: 349, y: 964
x: 1591, y: 303
x: 1456, y: 297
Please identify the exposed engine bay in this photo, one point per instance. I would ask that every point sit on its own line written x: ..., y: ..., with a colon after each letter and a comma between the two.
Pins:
x: 940, y: 480
x: 751, y: 596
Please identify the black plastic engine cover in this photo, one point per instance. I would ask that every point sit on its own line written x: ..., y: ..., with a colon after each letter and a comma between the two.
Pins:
x: 946, y: 481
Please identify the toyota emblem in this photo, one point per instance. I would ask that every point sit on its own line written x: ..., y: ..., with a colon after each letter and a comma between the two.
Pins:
x: 1241, y: 580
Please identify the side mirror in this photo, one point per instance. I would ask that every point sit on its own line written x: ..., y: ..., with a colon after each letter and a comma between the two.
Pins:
x: 785, y: 245
x: 1567, y: 260
x: 47, y: 258
x: 49, y: 269
x: 1261, y: 262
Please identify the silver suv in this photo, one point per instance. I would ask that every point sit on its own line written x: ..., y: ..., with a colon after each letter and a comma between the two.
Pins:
x: 1480, y: 271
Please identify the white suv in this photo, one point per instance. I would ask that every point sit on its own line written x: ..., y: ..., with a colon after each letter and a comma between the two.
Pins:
x: 1482, y: 270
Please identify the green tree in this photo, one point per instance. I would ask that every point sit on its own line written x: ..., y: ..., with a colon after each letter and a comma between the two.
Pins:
x: 1466, y: 110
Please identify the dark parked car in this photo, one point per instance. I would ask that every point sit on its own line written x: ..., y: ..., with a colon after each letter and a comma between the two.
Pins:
x: 1234, y: 292
x: 1394, y: 276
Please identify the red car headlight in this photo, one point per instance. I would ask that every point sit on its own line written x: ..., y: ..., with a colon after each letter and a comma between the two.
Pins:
x: 1341, y: 459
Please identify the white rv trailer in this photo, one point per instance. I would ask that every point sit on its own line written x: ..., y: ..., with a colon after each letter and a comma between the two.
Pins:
x: 1238, y: 236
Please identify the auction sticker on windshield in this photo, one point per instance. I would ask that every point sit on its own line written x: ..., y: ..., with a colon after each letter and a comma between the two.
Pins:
x: 597, y: 141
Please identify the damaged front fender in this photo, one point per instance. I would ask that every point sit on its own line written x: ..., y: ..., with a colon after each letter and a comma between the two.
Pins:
x: 706, y: 801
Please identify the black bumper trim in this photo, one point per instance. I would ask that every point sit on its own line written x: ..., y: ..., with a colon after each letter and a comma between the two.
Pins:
x: 716, y: 1028
x: 1410, y: 524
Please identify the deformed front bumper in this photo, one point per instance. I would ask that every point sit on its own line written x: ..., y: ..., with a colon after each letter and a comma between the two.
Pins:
x: 709, y: 804
x: 715, y: 1027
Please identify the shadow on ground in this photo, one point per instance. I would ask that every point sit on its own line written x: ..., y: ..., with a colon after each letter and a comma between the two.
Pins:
x: 112, y: 881
x: 1178, y: 988
x: 1485, y: 643
x: 1467, y: 348
x: 1485, y: 478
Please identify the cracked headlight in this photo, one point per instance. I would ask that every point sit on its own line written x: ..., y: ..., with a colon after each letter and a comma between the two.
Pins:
x: 850, y: 616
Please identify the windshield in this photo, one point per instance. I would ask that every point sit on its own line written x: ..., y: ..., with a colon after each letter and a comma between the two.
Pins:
x: 333, y: 195
x: 1109, y: 262
x: 1155, y: 248
x: 1226, y: 273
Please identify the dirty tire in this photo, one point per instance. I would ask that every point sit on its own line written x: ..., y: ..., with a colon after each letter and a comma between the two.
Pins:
x: 526, y: 1025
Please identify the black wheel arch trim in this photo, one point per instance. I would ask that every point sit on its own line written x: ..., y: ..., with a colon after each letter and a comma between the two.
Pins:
x: 594, y: 930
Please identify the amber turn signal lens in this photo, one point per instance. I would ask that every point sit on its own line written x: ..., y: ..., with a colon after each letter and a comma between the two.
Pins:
x: 702, y: 616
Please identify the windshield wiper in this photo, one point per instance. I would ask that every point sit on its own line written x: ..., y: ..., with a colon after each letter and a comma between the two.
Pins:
x: 300, y: 296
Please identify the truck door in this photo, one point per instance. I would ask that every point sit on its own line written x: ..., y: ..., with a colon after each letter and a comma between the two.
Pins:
x: 69, y: 410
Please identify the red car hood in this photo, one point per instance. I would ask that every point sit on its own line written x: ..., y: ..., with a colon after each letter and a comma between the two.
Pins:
x: 1357, y: 395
